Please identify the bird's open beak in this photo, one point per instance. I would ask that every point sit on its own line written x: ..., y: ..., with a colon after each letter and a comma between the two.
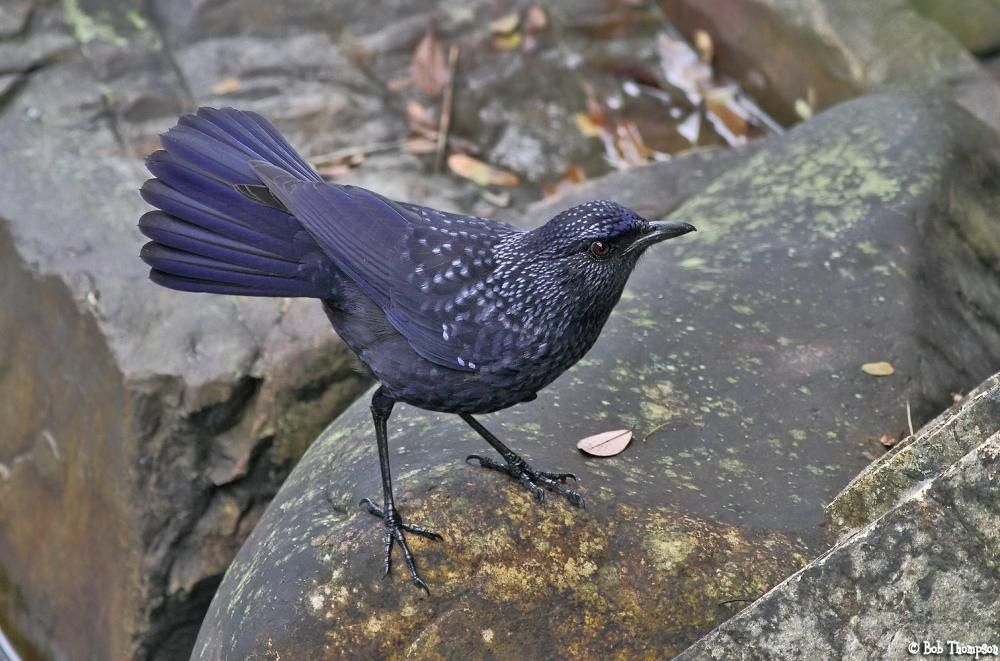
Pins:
x: 660, y: 230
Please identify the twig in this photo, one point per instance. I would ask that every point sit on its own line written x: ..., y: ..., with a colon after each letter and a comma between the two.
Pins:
x: 446, y: 104
x: 909, y: 418
x: 339, y: 155
x: 654, y: 430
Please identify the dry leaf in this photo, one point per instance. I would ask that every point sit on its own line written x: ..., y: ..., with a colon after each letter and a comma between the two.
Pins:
x: 535, y: 20
x: 882, y: 368
x: 420, y: 146
x: 703, y: 42
x: 507, y: 41
x: 606, y: 444
x: 421, y: 120
x: 227, y: 86
x: 334, y: 171
x: 482, y: 173
x: 572, y: 176
x: 630, y: 144
x: 721, y: 102
x: 888, y: 440
x: 506, y: 23
x: 429, y: 67
x: 399, y: 84
x: 683, y: 68
x: 587, y: 126
x: 690, y: 128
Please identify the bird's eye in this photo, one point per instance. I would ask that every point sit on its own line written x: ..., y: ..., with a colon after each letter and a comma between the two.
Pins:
x: 600, y: 249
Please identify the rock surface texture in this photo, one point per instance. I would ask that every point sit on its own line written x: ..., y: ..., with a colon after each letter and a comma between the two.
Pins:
x: 789, y: 52
x: 144, y: 431
x: 925, y: 570
x: 866, y: 234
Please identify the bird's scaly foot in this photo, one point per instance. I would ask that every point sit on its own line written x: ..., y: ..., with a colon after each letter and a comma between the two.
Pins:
x: 394, y: 528
x: 533, y: 480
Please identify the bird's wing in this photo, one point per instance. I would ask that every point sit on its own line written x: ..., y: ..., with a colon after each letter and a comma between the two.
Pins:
x: 425, y: 268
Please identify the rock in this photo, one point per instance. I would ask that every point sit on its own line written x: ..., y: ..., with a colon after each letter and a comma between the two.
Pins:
x: 144, y: 429
x: 976, y: 26
x: 821, y: 53
x: 919, y: 458
x: 866, y: 234
x: 926, y: 570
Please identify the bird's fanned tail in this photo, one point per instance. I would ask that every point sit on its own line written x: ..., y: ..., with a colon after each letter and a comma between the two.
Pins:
x: 206, y: 235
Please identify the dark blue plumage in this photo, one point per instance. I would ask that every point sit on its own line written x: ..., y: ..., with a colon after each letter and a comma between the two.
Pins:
x: 450, y: 313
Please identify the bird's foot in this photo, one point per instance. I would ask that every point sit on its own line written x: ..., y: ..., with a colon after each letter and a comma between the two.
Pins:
x: 533, y: 480
x: 394, y: 528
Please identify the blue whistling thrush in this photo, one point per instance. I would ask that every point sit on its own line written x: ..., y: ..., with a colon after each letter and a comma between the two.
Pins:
x: 450, y: 313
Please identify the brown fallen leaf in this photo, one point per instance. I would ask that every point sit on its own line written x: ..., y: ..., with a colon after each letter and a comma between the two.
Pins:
x: 505, y: 24
x: 535, y: 20
x: 887, y: 440
x: 399, y: 84
x: 421, y: 120
x: 429, y: 67
x: 722, y: 103
x: 420, y: 146
x: 482, y: 173
x: 227, y: 86
x: 881, y: 368
x: 572, y: 176
x: 630, y: 144
x: 605, y: 444
x: 587, y: 126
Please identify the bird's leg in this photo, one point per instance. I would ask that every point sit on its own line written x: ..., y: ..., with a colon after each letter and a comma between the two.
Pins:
x: 381, y: 408
x: 531, y: 479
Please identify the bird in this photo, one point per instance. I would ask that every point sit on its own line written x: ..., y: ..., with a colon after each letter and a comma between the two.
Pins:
x: 450, y: 313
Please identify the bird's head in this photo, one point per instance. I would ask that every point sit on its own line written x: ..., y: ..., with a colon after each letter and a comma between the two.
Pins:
x: 600, y: 242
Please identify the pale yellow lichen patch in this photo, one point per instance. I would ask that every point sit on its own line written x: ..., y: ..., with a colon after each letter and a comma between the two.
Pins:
x: 488, y: 636
x: 575, y: 571
x: 373, y: 625
x: 668, y: 549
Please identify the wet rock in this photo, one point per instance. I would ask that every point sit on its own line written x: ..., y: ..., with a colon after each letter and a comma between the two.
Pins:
x: 926, y: 570
x: 820, y: 53
x: 918, y: 458
x: 976, y: 26
x: 735, y: 358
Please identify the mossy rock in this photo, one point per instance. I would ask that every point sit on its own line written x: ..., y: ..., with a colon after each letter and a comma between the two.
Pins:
x: 866, y: 234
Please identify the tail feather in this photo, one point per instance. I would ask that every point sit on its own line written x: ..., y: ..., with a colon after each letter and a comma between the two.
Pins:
x: 209, y: 237
x: 180, y: 235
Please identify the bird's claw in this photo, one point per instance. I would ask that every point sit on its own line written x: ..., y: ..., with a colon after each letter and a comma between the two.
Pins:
x: 394, y: 527
x: 533, y: 480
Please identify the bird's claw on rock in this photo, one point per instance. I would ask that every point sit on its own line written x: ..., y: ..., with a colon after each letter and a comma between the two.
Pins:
x: 533, y: 480
x: 394, y: 528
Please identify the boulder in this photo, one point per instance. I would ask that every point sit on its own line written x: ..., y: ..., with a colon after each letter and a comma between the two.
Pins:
x: 917, y: 459
x: 976, y: 26
x: 144, y: 430
x: 918, y: 578
x: 865, y: 235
